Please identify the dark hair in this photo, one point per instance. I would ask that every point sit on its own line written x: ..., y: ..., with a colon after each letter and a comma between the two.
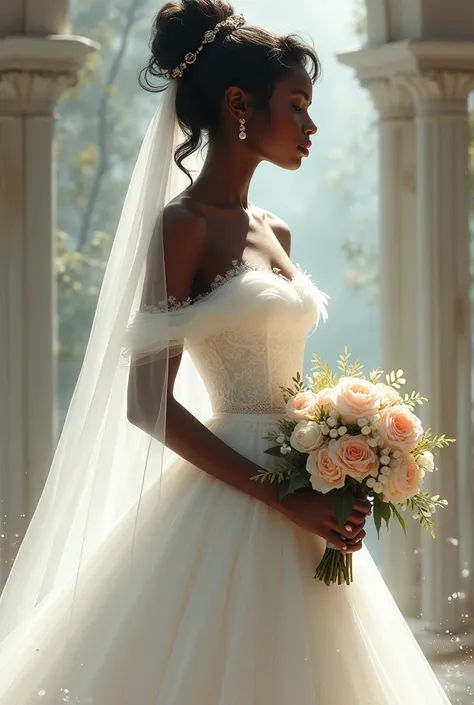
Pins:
x: 249, y: 57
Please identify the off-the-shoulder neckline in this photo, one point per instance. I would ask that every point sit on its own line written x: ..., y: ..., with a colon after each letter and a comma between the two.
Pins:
x: 238, y: 269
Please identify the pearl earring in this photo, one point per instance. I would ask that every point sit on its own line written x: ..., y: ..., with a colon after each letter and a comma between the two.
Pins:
x: 242, y: 130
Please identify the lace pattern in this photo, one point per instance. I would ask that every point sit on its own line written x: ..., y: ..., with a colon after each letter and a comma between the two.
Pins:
x: 237, y: 269
x: 244, y: 366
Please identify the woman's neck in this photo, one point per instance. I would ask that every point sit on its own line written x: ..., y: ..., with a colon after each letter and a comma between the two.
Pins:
x: 225, y: 178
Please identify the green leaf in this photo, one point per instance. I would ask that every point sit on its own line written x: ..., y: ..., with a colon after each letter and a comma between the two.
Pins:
x: 381, y: 512
x: 399, y: 517
x: 299, y: 482
x: 283, y: 490
x: 342, y: 503
x: 274, y: 452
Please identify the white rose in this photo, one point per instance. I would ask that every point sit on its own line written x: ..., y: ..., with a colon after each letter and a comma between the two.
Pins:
x: 307, y: 436
x: 426, y: 460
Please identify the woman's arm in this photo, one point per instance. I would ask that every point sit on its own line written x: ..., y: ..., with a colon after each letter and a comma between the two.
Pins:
x: 184, y: 243
x: 184, y: 246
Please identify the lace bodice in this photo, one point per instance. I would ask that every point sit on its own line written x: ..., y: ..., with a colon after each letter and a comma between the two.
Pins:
x: 246, y: 361
x: 246, y: 337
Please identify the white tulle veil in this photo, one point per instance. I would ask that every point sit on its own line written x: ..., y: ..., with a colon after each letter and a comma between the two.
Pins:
x: 104, y: 464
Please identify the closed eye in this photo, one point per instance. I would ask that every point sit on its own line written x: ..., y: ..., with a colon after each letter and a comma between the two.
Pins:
x: 298, y: 109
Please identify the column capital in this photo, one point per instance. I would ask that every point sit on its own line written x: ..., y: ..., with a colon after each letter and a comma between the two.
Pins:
x: 392, y: 99
x: 35, y: 70
x: 439, y: 92
x: 32, y: 93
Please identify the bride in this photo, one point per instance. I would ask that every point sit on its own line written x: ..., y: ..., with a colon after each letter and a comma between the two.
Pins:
x: 155, y: 571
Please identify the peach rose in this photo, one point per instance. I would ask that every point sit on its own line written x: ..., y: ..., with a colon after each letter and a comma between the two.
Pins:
x: 301, y: 406
x: 399, y: 428
x: 354, y: 456
x: 325, y: 475
x: 404, y: 480
x: 324, y: 399
x: 355, y: 399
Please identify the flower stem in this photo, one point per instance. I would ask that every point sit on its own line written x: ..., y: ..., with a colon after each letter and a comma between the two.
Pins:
x: 335, y: 567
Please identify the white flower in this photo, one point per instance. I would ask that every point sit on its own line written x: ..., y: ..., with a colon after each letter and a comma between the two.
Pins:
x: 371, y: 481
x: 373, y: 442
x: 385, y: 451
x: 334, y: 433
x: 366, y: 431
x: 426, y: 461
x: 384, y: 470
x: 342, y: 430
x: 284, y: 450
x: 362, y: 422
x: 382, y: 479
x: 334, y: 414
x: 307, y: 437
x: 385, y: 460
x: 324, y: 428
x: 378, y: 488
x: 280, y: 439
x: 396, y: 454
x: 332, y: 422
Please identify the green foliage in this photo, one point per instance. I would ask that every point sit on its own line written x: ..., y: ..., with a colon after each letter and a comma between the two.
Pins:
x: 298, y: 386
x: 424, y: 505
x: 381, y: 512
x: 342, y: 503
x: 348, y: 368
x: 430, y: 443
x: 100, y: 126
x: 322, y: 375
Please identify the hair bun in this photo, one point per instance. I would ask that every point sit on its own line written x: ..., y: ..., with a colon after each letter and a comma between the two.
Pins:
x: 180, y: 27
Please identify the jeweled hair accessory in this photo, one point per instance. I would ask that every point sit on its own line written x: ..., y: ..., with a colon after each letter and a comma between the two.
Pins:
x: 231, y: 23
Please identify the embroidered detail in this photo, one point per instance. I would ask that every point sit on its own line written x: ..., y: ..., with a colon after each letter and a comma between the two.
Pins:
x: 237, y: 270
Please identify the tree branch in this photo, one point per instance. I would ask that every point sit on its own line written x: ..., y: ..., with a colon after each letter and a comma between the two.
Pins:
x: 103, y: 127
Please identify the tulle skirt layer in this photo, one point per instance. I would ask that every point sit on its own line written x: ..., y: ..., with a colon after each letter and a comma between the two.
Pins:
x: 219, y: 607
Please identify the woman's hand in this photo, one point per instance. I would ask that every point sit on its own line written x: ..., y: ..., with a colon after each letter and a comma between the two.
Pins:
x: 313, y: 512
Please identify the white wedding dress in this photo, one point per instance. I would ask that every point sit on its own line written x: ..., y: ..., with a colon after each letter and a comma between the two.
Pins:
x: 220, y: 607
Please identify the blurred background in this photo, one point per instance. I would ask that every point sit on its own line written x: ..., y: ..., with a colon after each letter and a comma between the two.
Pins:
x: 380, y: 216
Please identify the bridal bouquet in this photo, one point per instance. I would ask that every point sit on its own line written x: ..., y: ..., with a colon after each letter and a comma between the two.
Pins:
x: 358, y: 438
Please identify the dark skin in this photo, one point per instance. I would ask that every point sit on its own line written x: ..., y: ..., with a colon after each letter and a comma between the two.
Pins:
x: 207, y: 227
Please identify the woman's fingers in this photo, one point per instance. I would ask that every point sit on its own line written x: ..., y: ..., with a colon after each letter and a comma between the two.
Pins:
x: 361, y: 507
x: 358, y: 538
x: 337, y: 541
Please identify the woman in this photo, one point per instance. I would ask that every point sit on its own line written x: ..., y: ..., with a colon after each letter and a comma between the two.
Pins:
x: 155, y: 570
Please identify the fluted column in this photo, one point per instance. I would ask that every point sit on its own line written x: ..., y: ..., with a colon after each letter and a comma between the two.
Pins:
x: 27, y: 272
x: 398, y: 315
x: 444, y: 341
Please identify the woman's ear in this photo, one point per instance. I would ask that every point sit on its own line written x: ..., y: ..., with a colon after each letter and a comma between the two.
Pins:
x: 237, y: 102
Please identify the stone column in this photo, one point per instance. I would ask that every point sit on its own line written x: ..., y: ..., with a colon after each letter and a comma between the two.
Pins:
x: 398, y: 319
x: 444, y: 340
x: 27, y: 272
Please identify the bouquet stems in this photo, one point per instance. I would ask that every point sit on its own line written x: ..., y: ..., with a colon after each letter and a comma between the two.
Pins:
x: 335, y: 567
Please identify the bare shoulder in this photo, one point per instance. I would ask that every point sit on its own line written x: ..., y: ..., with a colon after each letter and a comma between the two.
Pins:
x: 281, y: 229
x: 184, y: 238
x: 184, y: 229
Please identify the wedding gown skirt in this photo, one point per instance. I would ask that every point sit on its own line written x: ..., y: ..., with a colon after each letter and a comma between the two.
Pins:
x: 220, y: 606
